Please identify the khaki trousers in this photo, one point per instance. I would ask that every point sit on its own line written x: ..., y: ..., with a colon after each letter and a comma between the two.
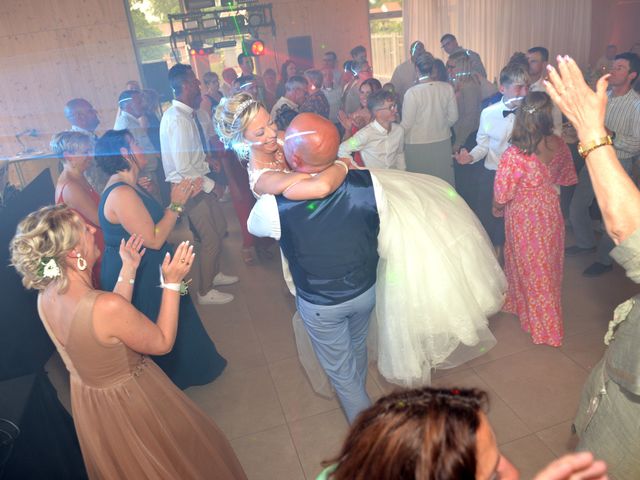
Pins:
x: 209, y: 227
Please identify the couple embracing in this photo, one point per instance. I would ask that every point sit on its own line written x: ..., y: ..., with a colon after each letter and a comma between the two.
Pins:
x: 357, y: 241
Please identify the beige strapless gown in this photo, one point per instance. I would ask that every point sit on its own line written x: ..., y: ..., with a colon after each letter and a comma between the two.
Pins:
x: 131, y: 420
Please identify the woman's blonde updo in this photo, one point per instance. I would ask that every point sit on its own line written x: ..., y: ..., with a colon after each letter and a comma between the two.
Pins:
x: 51, y: 232
x: 232, y: 117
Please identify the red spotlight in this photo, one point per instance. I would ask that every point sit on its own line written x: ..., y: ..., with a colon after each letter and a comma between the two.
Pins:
x: 255, y: 48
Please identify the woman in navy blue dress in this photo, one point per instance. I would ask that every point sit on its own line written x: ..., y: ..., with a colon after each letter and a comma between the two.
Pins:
x: 124, y: 209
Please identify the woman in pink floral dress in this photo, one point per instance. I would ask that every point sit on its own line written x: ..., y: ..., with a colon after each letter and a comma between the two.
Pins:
x: 526, y: 192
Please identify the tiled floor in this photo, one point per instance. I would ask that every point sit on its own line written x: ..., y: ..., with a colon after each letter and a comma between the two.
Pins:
x: 281, y: 430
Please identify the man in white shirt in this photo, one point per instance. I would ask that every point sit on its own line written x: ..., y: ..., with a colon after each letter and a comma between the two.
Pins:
x: 538, y: 58
x: 381, y: 143
x: 287, y: 106
x: 496, y: 125
x: 183, y: 143
x: 131, y: 109
x: 405, y: 75
x: 330, y: 62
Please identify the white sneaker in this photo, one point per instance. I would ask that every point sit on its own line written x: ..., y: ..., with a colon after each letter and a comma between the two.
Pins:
x: 221, y: 279
x: 214, y: 297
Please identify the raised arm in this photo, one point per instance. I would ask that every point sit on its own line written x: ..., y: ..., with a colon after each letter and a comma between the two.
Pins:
x: 116, y: 319
x: 617, y: 196
x: 131, y: 253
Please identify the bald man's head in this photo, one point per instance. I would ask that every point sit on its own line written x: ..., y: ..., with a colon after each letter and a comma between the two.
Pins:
x: 311, y: 143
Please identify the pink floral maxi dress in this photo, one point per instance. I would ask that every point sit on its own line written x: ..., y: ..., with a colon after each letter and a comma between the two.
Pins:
x: 534, y: 245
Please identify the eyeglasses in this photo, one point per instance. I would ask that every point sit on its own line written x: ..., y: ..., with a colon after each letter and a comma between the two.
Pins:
x: 391, y: 108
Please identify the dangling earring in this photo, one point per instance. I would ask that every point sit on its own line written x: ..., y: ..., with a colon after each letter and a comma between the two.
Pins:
x: 81, y: 263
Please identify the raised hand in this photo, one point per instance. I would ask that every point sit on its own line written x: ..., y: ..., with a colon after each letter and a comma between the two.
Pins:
x: 581, y: 105
x: 131, y: 252
x: 181, y: 192
x: 174, y: 269
x: 574, y: 466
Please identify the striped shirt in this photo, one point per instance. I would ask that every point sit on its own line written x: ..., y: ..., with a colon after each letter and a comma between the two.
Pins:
x: 623, y: 118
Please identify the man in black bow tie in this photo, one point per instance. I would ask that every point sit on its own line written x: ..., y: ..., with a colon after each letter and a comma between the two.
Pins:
x: 496, y: 124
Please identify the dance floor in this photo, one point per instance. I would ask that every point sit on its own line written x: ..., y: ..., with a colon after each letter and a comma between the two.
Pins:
x: 281, y: 430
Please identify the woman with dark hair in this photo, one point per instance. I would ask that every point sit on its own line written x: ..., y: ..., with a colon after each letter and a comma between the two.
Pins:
x: 526, y: 192
x: 124, y: 210
x: 437, y: 434
x: 287, y: 70
x: 429, y: 110
x: 211, y: 94
x: 439, y: 71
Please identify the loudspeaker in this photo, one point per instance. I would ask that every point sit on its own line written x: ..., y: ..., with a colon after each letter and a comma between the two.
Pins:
x: 301, y: 52
x: 156, y: 77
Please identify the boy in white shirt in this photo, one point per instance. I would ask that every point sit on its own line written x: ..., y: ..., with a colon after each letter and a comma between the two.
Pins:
x: 381, y: 142
x: 494, y: 132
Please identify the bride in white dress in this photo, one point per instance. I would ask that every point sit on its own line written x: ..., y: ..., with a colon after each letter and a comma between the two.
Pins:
x: 438, y: 280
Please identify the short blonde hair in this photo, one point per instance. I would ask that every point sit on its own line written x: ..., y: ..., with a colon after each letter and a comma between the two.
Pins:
x: 232, y: 117
x: 69, y: 142
x: 50, y: 232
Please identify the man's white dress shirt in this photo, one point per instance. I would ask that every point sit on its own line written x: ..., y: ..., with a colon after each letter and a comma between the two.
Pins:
x: 182, y: 150
x: 378, y: 147
x: 493, y: 135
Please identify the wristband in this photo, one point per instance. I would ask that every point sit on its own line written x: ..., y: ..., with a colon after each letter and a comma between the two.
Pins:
x: 171, y: 286
x: 586, y: 149
x: 182, y: 288
x: 343, y: 165
x: 131, y: 280
x: 176, y: 207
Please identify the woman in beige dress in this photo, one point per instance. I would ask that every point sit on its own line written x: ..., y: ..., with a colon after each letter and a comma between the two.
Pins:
x: 131, y: 420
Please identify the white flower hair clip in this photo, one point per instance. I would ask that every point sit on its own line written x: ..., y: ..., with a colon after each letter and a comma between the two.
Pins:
x: 49, y: 268
x: 529, y: 109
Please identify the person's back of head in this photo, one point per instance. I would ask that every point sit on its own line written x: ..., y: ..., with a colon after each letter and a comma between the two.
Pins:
x: 519, y: 58
x: 229, y: 75
x: 416, y: 48
x: 358, y: 52
x: 131, y: 102
x: 533, y: 122
x: 295, y: 82
x: 70, y: 142
x: 421, y: 434
x: 315, y: 78
x: 311, y: 141
x: 178, y: 75
x: 108, y: 152
x: 424, y: 63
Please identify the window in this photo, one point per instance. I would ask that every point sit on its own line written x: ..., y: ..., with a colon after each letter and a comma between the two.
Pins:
x: 387, y: 37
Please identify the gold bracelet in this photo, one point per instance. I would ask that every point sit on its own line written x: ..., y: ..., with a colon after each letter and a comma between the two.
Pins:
x: 585, y: 150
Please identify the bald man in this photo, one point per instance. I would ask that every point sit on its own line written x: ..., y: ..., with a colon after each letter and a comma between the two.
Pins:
x: 331, y: 246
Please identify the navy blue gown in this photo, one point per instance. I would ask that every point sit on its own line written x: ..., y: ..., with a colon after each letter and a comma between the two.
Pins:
x: 194, y: 359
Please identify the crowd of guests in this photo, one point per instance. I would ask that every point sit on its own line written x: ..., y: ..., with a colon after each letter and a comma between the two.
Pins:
x: 142, y: 209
